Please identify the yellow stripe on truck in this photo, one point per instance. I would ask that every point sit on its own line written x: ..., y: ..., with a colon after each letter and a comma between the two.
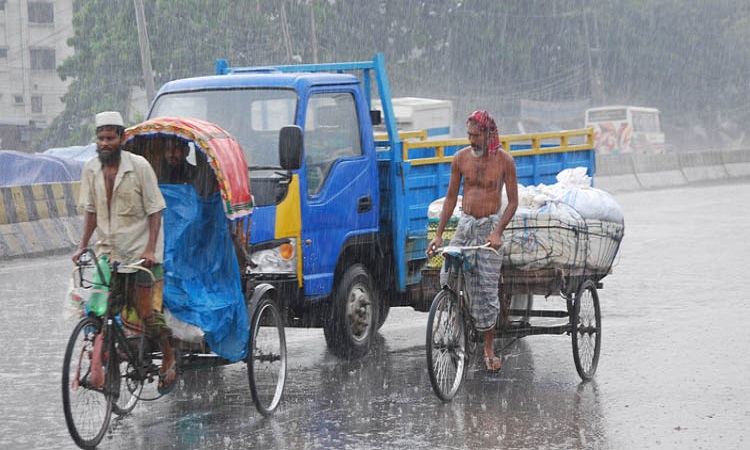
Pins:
x: 289, y: 221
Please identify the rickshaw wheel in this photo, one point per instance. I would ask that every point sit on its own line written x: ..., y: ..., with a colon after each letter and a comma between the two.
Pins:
x: 87, y: 408
x: 130, y: 388
x: 586, y: 330
x: 266, y: 359
x: 447, y: 357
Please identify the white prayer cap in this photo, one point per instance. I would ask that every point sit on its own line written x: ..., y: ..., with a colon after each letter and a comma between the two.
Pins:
x: 109, y: 118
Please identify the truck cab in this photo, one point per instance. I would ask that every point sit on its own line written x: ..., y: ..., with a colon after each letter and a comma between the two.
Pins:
x: 305, y: 217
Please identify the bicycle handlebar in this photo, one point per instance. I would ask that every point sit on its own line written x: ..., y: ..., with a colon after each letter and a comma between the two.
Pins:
x: 138, y: 265
x: 462, y: 249
x: 88, y: 257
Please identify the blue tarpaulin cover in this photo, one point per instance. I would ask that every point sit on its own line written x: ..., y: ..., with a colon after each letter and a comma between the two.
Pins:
x: 80, y: 153
x: 202, y: 281
x: 19, y: 168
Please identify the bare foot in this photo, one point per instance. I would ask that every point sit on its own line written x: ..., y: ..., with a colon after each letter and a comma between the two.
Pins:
x: 492, y: 363
x: 168, y: 371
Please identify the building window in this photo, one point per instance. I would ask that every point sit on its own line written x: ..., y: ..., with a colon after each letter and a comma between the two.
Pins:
x: 36, y: 104
x: 3, y: 53
x: 41, y: 12
x: 18, y: 99
x: 43, y: 59
x: 2, y: 5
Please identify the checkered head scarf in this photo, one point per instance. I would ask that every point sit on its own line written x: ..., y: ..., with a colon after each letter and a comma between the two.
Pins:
x: 487, y: 123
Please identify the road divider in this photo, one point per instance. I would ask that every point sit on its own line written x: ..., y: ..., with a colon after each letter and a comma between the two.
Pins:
x: 737, y: 163
x: 635, y: 171
x: 39, y: 219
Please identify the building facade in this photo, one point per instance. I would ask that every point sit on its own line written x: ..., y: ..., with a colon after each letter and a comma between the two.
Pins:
x: 33, y: 42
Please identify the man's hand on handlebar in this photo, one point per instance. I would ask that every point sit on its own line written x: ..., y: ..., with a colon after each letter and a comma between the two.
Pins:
x: 494, y: 241
x: 149, y: 259
x: 433, y: 246
x: 77, y: 255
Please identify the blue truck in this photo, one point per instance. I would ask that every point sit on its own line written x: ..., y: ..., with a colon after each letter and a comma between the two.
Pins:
x: 339, y: 226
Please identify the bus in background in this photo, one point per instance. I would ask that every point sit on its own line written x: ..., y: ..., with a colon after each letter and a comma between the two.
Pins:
x: 624, y: 129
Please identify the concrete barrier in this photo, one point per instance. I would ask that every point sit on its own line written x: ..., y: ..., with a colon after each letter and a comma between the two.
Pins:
x: 736, y: 162
x: 616, y: 173
x: 632, y: 171
x: 702, y: 166
x: 658, y: 170
x: 39, y: 219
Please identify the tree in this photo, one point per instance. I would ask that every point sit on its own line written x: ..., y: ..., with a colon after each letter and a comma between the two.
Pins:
x: 104, y: 66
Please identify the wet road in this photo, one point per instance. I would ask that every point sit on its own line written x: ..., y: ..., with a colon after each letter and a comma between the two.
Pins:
x: 673, y: 372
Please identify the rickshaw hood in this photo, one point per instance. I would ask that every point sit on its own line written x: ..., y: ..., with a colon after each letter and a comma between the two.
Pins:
x: 222, y: 151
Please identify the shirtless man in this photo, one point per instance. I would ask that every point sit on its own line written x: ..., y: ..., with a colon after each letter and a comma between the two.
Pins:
x: 484, y: 168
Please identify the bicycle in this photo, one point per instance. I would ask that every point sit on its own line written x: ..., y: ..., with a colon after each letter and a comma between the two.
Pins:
x: 451, y: 335
x: 99, y: 357
x: 106, y: 366
x: 542, y: 256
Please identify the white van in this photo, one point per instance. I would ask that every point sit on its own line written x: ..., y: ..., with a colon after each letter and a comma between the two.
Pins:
x: 623, y: 129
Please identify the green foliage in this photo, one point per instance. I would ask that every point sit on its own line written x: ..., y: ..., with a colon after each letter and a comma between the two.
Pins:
x: 105, y: 64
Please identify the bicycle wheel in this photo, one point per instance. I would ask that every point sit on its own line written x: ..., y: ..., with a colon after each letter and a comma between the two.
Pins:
x: 266, y: 359
x: 447, y: 357
x: 586, y: 328
x: 87, y: 407
x: 131, y: 385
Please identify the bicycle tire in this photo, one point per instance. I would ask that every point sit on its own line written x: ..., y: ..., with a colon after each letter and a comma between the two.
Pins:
x: 447, y: 356
x: 586, y: 330
x: 131, y: 384
x: 266, y: 359
x: 87, y: 408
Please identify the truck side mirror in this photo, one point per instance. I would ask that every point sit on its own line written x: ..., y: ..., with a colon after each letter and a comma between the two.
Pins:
x: 376, y: 117
x: 290, y: 147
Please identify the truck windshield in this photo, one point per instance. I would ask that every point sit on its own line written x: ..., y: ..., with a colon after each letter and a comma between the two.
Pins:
x: 252, y: 116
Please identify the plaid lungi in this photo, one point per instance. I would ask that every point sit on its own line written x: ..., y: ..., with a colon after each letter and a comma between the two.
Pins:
x: 482, y: 280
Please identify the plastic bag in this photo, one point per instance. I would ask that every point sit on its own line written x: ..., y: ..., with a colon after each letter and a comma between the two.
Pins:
x: 575, y: 177
x: 74, y: 305
x: 436, y: 208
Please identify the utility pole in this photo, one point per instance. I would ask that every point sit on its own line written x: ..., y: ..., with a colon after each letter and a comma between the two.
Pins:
x: 285, y: 33
x: 313, y: 34
x: 148, y: 72
x: 593, y: 53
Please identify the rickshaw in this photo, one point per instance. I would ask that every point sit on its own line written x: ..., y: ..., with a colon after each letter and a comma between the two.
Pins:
x: 215, y: 320
x: 558, y: 256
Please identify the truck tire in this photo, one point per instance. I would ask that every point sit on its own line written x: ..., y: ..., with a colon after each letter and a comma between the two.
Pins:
x: 354, y: 314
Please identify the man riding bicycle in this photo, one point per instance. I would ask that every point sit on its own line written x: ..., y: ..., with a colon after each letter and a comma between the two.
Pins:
x: 120, y: 199
x: 484, y: 168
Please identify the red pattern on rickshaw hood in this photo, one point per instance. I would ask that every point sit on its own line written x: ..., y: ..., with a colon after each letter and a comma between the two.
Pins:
x: 222, y: 151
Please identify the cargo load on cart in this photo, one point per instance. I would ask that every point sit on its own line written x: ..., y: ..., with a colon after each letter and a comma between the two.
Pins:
x: 560, y: 232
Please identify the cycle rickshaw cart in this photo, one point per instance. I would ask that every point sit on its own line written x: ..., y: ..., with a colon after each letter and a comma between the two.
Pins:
x: 215, y: 319
x: 552, y: 252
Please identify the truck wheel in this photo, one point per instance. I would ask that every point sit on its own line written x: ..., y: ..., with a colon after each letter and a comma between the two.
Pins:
x: 354, y: 314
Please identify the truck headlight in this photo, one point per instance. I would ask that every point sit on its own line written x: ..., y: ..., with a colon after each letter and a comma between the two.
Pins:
x: 277, y: 257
